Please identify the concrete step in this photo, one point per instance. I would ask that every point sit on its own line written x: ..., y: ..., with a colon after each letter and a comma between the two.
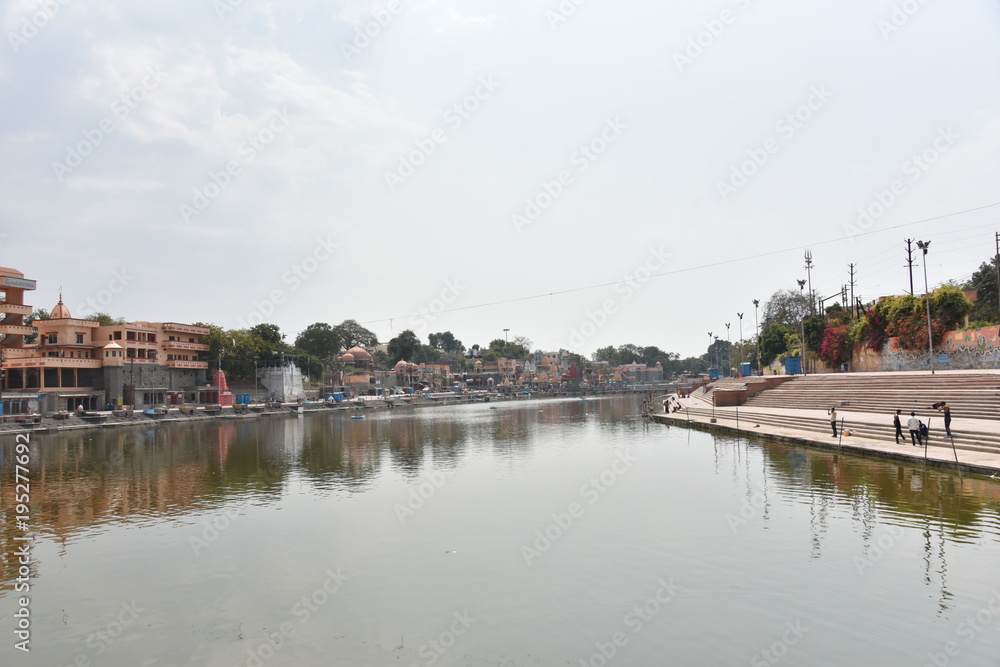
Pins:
x: 964, y: 439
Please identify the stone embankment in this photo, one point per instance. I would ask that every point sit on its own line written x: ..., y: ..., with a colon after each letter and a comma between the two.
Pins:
x: 797, y: 411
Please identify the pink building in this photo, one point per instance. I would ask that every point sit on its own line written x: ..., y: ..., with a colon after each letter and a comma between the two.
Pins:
x: 76, y: 361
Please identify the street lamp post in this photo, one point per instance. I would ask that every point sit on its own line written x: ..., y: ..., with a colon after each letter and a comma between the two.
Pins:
x: 505, y: 335
x: 729, y: 352
x: 255, y: 378
x: 711, y: 361
x: 756, y: 322
x: 740, y: 315
x: 924, y: 245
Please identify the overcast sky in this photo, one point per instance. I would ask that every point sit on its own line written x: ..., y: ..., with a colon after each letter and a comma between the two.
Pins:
x: 521, y: 165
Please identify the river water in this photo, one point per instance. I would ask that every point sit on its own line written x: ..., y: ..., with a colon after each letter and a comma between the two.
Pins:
x: 529, y: 533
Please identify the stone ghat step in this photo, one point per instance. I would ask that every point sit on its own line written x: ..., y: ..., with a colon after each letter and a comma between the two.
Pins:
x: 964, y: 439
x: 968, y: 410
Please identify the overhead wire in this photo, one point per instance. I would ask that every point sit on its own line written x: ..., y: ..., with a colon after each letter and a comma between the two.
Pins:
x: 699, y: 267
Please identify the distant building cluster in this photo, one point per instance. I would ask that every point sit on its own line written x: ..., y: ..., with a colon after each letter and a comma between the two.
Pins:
x: 78, y: 363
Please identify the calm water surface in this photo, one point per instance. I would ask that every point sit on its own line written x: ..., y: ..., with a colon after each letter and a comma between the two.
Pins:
x: 535, y: 533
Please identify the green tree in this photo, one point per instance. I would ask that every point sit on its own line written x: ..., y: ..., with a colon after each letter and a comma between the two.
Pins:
x: 445, y: 342
x: 608, y: 354
x: 404, y: 347
x: 37, y: 314
x: 353, y: 334
x: 949, y: 306
x: 319, y: 340
x: 269, y: 333
x: 105, y: 320
x: 774, y: 341
x: 984, y: 282
x: 786, y: 307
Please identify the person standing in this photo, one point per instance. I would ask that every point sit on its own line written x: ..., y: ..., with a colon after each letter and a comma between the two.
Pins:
x: 898, y: 425
x: 943, y: 407
x: 914, y: 425
x: 833, y: 420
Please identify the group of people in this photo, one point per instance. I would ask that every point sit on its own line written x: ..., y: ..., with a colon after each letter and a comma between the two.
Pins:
x: 918, y: 429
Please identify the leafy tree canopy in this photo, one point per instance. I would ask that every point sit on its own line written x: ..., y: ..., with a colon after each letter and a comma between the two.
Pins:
x: 352, y: 334
x: 319, y: 340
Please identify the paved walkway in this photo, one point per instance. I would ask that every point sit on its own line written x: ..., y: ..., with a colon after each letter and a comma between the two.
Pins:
x: 938, y: 453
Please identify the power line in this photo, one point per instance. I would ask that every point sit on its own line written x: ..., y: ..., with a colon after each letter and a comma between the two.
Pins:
x: 691, y: 268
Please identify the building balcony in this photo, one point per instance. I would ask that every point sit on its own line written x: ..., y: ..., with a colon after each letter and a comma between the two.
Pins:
x: 14, y: 330
x: 185, y: 328
x: 187, y: 364
x: 178, y: 345
x: 14, y: 309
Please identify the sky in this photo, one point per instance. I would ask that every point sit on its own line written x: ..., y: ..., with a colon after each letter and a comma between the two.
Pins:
x: 583, y: 173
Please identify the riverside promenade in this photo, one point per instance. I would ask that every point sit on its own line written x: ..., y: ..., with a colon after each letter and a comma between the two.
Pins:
x: 864, y: 415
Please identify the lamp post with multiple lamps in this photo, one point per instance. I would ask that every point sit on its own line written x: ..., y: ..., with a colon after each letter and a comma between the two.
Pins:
x: 756, y: 304
x: 924, y: 245
x: 802, y: 285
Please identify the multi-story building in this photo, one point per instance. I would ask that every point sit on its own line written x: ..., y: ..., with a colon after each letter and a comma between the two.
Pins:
x: 78, y: 362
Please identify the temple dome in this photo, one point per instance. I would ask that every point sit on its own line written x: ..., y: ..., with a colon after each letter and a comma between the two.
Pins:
x: 60, y: 312
x: 346, y: 357
x: 359, y: 353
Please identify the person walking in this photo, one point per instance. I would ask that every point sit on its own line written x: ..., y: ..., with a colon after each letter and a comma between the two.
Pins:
x: 943, y: 407
x: 899, y: 426
x: 833, y: 420
x: 914, y: 425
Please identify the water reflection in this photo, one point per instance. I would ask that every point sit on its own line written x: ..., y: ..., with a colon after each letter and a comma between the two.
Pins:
x: 945, y: 509
x: 88, y: 478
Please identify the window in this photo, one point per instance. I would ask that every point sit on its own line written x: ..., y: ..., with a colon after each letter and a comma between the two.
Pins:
x: 53, y: 338
x: 79, y: 339
x: 118, y: 335
x: 129, y: 335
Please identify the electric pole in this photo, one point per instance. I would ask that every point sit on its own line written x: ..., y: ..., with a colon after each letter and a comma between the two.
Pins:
x: 854, y: 313
x: 997, y: 262
x: 808, y: 268
x: 909, y: 261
